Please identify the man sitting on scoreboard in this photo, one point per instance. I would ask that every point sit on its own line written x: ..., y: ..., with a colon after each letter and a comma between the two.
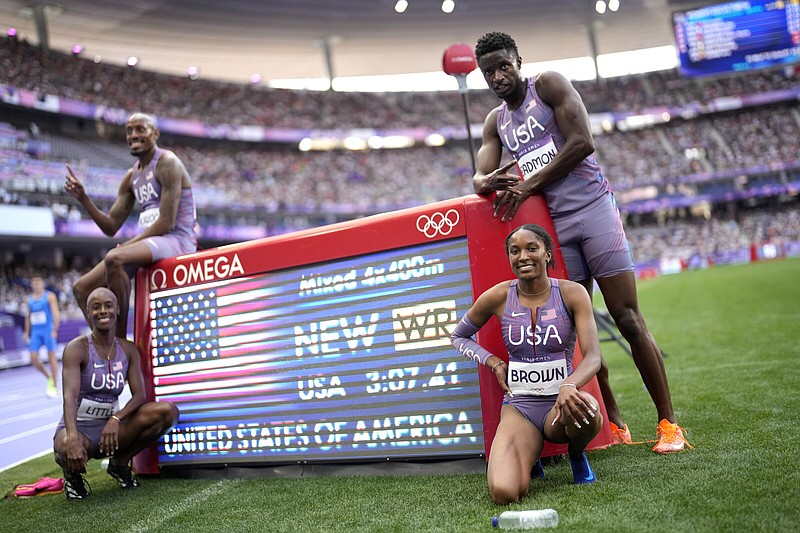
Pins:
x: 160, y: 183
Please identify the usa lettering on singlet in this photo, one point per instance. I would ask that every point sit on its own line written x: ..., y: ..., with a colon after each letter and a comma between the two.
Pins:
x: 531, y: 134
x: 540, y: 343
x: 102, y: 381
x: 147, y: 190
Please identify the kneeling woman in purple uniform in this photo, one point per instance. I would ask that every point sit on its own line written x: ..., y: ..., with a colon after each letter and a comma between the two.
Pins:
x: 541, y: 318
x: 96, y: 367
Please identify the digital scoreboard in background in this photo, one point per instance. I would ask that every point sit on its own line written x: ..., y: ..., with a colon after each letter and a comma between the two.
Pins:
x: 332, y: 344
x: 350, y: 359
x: 347, y: 360
x: 737, y: 36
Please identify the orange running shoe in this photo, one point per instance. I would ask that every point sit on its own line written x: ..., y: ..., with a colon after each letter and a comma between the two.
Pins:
x: 670, y: 438
x: 620, y: 435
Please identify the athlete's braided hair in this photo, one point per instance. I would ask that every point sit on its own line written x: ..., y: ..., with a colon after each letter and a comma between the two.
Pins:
x: 541, y: 233
x: 493, y: 41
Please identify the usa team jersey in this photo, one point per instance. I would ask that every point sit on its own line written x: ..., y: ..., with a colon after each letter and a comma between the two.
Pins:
x: 540, y: 343
x: 147, y: 190
x: 531, y: 134
x: 102, y: 382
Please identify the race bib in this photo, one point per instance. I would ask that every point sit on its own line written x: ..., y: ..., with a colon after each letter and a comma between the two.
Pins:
x: 38, y: 318
x: 537, y: 379
x: 92, y: 410
x: 538, y: 158
x: 148, y: 217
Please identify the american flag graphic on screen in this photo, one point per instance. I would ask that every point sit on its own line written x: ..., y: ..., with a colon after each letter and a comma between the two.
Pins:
x: 351, y: 344
x: 205, y: 336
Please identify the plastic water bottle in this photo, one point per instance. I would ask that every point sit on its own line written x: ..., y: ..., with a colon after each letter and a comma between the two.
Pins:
x: 526, y: 519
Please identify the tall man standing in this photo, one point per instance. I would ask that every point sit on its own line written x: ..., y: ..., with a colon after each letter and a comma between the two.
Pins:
x: 41, y: 329
x: 544, y: 125
x: 159, y: 182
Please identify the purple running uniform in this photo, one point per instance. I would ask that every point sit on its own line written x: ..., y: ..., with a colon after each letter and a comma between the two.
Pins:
x: 101, y: 384
x: 540, y: 344
x: 593, y: 242
x: 182, y: 239
x: 532, y: 136
x: 592, y: 245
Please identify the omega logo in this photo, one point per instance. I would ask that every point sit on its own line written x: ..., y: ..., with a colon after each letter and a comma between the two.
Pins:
x: 204, y: 270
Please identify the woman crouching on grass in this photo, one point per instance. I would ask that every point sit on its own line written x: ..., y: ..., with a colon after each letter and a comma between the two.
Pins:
x: 540, y: 317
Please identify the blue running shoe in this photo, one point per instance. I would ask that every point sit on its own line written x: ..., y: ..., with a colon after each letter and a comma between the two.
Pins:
x: 538, y: 470
x: 582, y: 473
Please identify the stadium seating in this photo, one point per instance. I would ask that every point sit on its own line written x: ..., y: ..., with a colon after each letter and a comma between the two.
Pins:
x: 711, y: 180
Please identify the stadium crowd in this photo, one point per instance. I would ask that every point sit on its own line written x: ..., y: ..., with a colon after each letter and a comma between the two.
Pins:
x: 240, y: 183
x: 685, y: 238
x: 279, y: 179
x: 748, y: 139
x: 25, y: 66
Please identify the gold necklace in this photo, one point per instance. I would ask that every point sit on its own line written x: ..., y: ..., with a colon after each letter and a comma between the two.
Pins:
x: 97, y: 343
x: 534, y: 294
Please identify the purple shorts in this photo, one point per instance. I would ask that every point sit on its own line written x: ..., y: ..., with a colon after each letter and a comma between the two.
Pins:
x: 171, y: 245
x: 90, y: 428
x: 534, y: 408
x: 593, y: 241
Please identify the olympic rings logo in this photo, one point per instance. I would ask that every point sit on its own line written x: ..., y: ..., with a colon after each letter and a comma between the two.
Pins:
x: 437, y: 223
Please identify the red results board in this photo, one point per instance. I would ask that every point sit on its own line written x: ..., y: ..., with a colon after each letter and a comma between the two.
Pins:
x: 330, y: 344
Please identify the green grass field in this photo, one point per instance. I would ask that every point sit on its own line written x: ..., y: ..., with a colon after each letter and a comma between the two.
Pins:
x: 731, y: 337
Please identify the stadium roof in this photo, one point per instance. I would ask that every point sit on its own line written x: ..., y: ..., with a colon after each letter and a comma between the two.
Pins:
x: 279, y: 39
